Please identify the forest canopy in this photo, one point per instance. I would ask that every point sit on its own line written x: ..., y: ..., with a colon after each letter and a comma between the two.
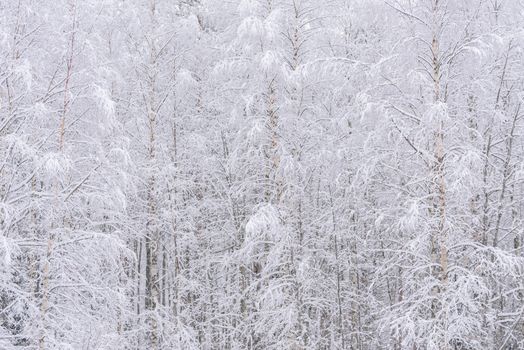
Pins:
x: 262, y: 174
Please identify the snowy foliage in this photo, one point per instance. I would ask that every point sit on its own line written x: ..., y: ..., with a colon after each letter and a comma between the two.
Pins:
x: 262, y: 174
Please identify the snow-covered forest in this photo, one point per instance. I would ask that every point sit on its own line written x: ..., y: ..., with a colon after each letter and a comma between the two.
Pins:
x: 262, y: 174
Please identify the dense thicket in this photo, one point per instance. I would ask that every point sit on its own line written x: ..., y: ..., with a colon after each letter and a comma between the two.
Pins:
x: 262, y: 174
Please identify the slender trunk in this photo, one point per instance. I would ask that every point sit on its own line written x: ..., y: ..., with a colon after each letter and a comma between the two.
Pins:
x: 152, y: 239
x: 338, y: 277
x: 152, y: 234
x: 441, y: 235
x: 273, y: 189
x: 44, y: 303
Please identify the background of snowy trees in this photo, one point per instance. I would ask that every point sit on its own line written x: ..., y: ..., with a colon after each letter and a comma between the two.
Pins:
x: 262, y: 174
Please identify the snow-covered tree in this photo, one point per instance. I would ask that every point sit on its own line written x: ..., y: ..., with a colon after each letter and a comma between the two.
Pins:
x: 261, y: 174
